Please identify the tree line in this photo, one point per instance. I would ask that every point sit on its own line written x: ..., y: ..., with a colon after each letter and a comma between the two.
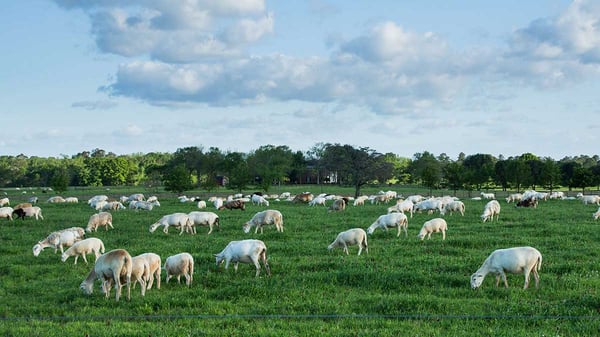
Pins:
x: 196, y: 167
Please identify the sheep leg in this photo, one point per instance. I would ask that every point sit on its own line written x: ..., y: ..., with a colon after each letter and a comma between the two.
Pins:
x: 345, y: 249
x: 84, y: 258
x: 76, y: 256
x: 210, y: 228
x: 443, y: 235
x: 257, y: 265
x: 536, y: 276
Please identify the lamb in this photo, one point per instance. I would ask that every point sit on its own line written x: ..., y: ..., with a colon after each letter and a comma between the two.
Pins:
x: 56, y: 200
x: 491, y: 208
x: 390, y: 220
x: 338, y: 205
x: 140, y: 271
x: 597, y: 214
x: 317, y: 201
x: 201, y: 204
x: 112, y: 206
x: 402, y: 206
x: 59, y: 239
x: 266, y: 217
x: 433, y: 226
x: 514, y: 260
x: 99, y: 219
x: 259, y: 200
x: 454, y: 206
x: 233, y: 204
x: 354, y: 236
x: 429, y: 205
x: 516, y: 197
x: 112, y: 267
x: 244, y: 251
x: 4, y: 202
x: 84, y: 247
x: 209, y: 219
x: 218, y: 203
x: 589, y: 199
x: 488, y: 195
x: 32, y: 211
x: 72, y: 200
x: 360, y: 201
x: 143, y: 205
x: 6, y: 212
x: 181, y: 220
x: 180, y: 264
x: 155, y: 264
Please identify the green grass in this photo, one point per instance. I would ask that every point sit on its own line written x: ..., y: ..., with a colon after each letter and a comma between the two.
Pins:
x: 404, y: 286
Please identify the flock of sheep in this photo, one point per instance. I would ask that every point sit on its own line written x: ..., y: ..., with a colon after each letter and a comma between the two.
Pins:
x: 118, y: 268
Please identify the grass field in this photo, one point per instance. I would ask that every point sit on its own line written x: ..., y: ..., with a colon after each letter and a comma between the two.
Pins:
x: 403, y: 286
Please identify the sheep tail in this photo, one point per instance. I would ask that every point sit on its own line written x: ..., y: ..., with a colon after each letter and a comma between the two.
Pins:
x: 538, y: 265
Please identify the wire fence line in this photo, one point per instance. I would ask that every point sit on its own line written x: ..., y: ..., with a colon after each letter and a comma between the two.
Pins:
x: 301, y: 317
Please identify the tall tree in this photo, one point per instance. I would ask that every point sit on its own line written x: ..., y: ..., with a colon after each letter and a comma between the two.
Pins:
x: 480, y: 168
x: 426, y: 169
x: 270, y: 164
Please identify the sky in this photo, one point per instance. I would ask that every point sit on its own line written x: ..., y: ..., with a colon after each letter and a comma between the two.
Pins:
x: 138, y: 76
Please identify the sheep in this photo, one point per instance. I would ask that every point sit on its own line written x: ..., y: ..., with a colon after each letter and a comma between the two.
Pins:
x: 259, y: 200
x: 304, y: 197
x: 429, y: 205
x: 181, y: 220
x: 112, y: 206
x: 22, y: 205
x: 390, y: 220
x: 360, y: 201
x: 56, y: 200
x: 402, y: 206
x: 531, y: 202
x: 180, y: 264
x: 136, y: 197
x: 244, y: 251
x: 319, y: 200
x: 453, y: 206
x: 140, y: 271
x: 59, y: 239
x: 84, y: 247
x: 33, y: 211
x: 6, y: 212
x: 155, y: 265
x: 433, y: 226
x: 209, y: 219
x: 354, y: 236
x: 4, y: 202
x: 99, y: 205
x: 266, y: 217
x: 514, y: 260
x: 557, y: 195
x: 96, y: 198
x: 589, y: 199
x: 72, y: 200
x: 516, y: 197
x: 33, y: 200
x: 233, y: 204
x: 338, y: 205
x: 99, y: 219
x: 597, y: 214
x: 218, y: 203
x: 491, y: 208
x: 152, y: 199
x: 143, y: 205
x: 488, y: 195
x: 201, y: 204
x: 114, y: 266
x: 415, y: 198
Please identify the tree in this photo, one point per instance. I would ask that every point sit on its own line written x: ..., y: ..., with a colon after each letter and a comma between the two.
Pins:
x: 426, y: 169
x: 178, y: 179
x: 270, y: 164
x: 60, y: 180
x: 480, y: 169
x: 454, y: 174
x: 236, y: 169
x: 518, y: 172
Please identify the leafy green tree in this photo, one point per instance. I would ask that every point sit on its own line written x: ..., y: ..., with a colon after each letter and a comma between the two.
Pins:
x: 518, y: 171
x: 270, y: 164
x: 480, y: 169
x: 426, y: 169
x: 550, y: 174
x: 60, y: 180
x: 454, y: 174
x: 501, y: 177
x: 177, y: 179
x: 236, y: 169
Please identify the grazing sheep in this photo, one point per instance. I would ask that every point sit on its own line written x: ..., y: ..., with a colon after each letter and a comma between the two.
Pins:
x: 390, y: 220
x: 530, y: 202
x: 433, y: 226
x: 56, y: 200
x: 259, y: 200
x: 6, y: 212
x: 33, y: 200
x: 338, y: 205
x: 354, y: 236
x: 402, y: 206
x: 305, y: 197
x: 84, y: 247
x: 360, y: 201
x: 266, y: 217
x: 319, y: 200
x: 515, y: 197
x: 180, y: 220
x: 4, y: 202
x: 112, y: 206
x: 143, y: 205
x: 488, y: 195
x: 155, y: 264
x: 597, y: 214
x: 22, y: 205
x: 180, y: 264
x: 99, y: 219
x: 429, y: 205
x: 152, y: 199
x: 589, y: 199
x: 209, y: 219
x: 244, y: 251
x: 233, y: 204
x: 201, y: 204
x: 112, y: 267
x: 491, y: 208
x: 32, y: 211
x: 140, y: 271
x: 59, y: 239
x: 557, y: 195
x: 454, y: 206
x: 136, y: 197
x: 514, y: 260
x: 72, y: 200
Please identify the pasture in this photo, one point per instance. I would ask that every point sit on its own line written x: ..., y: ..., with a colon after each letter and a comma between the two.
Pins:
x: 403, y: 286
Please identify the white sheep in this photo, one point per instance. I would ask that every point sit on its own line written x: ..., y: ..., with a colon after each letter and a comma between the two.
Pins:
x: 318, y: 200
x: 6, y: 212
x: 4, y: 202
x: 112, y: 267
x: 99, y: 219
x: 84, y: 247
x: 589, y: 199
x: 155, y: 265
x: 488, y: 195
x: 201, y: 204
x: 433, y: 226
x: 31, y: 211
x: 92, y: 201
x: 152, y: 199
x: 354, y: 236
x: 429, y: 205
x: 140, y: 272
x: 143, y: 205
x: 112, y: 206
x: 136, y: 197
x: 72, y: 200
x: 454, y: 206
x: 179, y: 220
x: 491, y: 208
x: 514, y: 260
x: 56, y: 200
x: 244, y: 251
x: 514, y: 197
x: 266, y: 217
x: 390, y: 220
x: 259, y: 200
x: 59, y: 239
x: 209, y: 219
x: 597, y: 214
x: 180, y: 264
x: 338, y: 205
x: 402, y: 206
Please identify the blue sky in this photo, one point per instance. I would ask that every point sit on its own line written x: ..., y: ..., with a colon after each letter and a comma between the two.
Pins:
x: 497, y: 77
